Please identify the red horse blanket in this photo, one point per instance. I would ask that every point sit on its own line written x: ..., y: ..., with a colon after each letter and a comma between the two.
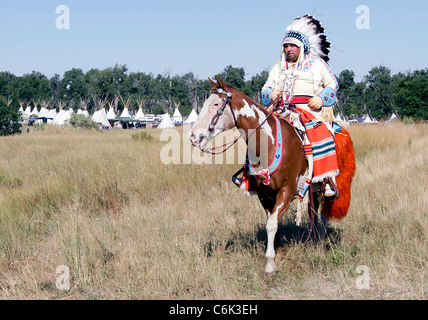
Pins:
x: 322, y: 145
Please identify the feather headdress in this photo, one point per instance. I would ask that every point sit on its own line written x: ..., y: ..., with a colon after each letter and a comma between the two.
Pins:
x: 309, y: 32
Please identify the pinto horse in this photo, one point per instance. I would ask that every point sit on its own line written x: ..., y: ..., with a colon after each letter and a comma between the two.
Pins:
x: 227, y: 107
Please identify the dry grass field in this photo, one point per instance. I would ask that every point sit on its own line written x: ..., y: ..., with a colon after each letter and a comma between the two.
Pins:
x: 104, y: 209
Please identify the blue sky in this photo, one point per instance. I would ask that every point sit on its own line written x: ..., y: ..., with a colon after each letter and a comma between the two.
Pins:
x: 204, y: 37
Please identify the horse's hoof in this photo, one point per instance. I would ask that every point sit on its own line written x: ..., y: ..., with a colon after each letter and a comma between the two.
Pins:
x: 269, y: 275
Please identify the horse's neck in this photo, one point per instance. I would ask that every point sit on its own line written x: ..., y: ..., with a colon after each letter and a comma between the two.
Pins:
x: 254, y: 113
x: 261, y: 132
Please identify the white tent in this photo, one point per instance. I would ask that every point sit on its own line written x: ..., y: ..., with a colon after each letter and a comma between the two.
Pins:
x: 62, y: 117
x: 27, y: 110
x: 125, y: 113
x: 21, y: 104
x: 140, y: 114
x: 83, y: 108
x: 368, y: 119
x: 177, y: 117
x: 111, y: 115
x: 338, y: 118
x: 100, y: 117
x: 51, y: 114
x: 393, y: 118
x: 59, y: 116
x: 43, y: 112
x: 35, y: 111
x: 166, y: 122
x: 193, y: 116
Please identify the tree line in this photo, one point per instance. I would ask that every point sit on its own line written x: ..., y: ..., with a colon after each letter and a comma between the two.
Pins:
x: 159, y: 94
x: 379, y: 94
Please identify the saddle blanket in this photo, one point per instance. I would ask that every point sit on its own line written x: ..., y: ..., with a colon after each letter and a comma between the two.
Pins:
x: 323, y: 150
x: 322, y: 147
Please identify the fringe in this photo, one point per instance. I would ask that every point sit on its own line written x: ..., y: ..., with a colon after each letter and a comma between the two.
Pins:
x: 330, y: 174
x: 327, y: 114
x: 302, y: 208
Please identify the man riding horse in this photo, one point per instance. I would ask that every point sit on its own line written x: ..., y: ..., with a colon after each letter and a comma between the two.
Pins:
x: 304, y: 85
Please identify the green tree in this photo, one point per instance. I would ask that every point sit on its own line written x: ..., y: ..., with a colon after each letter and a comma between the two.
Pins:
x: 235, y: 77
x: 73, y: 85
x: 378, y: 94
x: 31, y: 86
x: 9, y: 119
x: 255, y: 85
x: 411, y: 94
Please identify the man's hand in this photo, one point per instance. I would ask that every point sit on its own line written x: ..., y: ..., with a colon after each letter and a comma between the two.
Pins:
x: 275, y: 95
x: 315, y: 103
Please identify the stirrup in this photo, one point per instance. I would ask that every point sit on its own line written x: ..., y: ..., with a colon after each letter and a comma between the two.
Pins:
x: 238, y: 181
x: 330, y: 191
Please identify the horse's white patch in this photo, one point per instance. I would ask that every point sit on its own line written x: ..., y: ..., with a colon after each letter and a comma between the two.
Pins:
x: 247, y: 111
x: 271, y: 229
x: 266, y: 127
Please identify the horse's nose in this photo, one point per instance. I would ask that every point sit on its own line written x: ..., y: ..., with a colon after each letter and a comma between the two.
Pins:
x: 201, y: 138
x: 196, y: 140
x: 192, y: 138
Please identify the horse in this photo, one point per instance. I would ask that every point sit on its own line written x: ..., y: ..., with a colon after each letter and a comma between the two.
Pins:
x: 226, y: 108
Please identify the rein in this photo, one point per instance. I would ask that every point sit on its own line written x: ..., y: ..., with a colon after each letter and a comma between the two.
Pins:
x: 220, y: 111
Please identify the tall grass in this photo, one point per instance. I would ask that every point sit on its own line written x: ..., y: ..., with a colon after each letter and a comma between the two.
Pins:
x: 130, y: 227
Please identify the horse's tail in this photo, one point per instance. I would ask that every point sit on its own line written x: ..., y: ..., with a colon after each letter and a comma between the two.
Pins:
x: 338, y: 208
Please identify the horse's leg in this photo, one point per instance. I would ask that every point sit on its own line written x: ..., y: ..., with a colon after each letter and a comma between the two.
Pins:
x: 320, y: 225
x: 324, y: 225
x: 282, y: 202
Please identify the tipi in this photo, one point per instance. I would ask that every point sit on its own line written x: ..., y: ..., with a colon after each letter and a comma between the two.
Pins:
x: 166, y: 122
x: 393, y: 118
x: 193, y: 116
x: 111, y: 115
x: 177, y: 117
x: 368, y: 119
x: 125, y: 113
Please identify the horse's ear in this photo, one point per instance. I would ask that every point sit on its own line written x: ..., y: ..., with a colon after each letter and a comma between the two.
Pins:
x: 221, y: 84
x: 213, y: 84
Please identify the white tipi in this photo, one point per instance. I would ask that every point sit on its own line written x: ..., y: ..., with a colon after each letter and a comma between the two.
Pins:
x: 166, y: 122
x: 111, y: 115
x: 177, y: 117
x: 338, y: 118
x: 368, y: 119
x: 140, y: 114
x: 193, y: 116
x: 393, y: 118
x: 125, y: 113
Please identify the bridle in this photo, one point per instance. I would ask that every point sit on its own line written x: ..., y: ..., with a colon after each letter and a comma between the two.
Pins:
x: 220, y: 112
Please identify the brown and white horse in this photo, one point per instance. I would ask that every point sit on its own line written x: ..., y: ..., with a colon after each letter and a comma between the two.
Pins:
x: 227, y: 107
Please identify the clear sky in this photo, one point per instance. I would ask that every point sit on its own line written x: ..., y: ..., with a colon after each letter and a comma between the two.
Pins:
x: 204, y: 37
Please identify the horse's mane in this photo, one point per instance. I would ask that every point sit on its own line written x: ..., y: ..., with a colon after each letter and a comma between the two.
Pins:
x: 225, y: 86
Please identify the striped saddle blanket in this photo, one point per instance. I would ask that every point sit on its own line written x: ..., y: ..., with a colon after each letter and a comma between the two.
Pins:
x: 322, y: 147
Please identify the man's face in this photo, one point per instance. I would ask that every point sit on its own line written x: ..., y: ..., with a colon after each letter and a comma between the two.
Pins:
x: 292, y: 52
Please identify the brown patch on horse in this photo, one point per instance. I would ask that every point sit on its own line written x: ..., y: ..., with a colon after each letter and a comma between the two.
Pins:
x: 338, y: 208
